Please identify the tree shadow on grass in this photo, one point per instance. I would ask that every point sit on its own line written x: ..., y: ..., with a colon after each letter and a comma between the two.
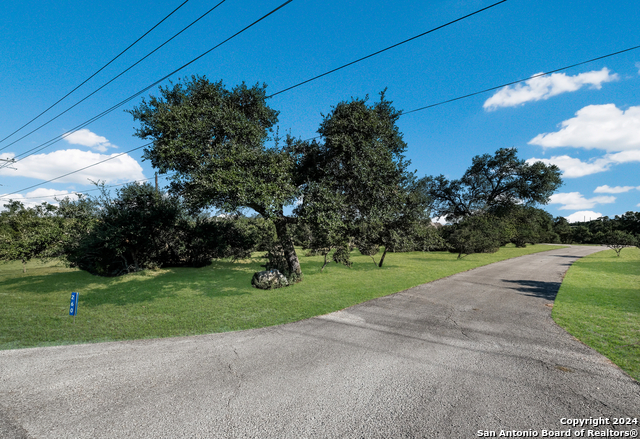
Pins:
x: 140, y: 287
x: 357, y: 266
x: 224, y: 292
x: 123, y: 295
x: 448, y: 257
x: 48, y: 283
x: 160, y: 286
x: 94, y: 291
x: 533, y: 288
x: 564, y: 256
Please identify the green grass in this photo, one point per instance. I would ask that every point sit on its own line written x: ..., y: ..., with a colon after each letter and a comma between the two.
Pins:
x: 187, y: 301
x: 599, y: 304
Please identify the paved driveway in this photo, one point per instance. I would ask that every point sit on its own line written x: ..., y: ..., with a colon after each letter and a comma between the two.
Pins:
x: 475, y: 351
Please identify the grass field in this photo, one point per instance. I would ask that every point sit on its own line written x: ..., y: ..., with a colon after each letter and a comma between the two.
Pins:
x: 599, y: 303
x: 187, y: 301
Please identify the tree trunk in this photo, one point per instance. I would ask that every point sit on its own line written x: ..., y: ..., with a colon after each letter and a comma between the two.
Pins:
x: 287, y: 246
x: 126, y: 263
x: 135, y: 260
x: 24, y: 266
x: 325, y: 261
x: 384, y: 253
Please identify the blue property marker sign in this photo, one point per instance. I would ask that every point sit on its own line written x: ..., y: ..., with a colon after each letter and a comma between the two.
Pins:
x: 73, y: 307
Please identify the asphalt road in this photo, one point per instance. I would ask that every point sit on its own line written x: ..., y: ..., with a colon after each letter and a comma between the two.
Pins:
x: 475, y: 351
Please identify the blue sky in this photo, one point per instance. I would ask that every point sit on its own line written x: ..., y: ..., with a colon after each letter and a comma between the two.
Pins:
x: 585, y: 119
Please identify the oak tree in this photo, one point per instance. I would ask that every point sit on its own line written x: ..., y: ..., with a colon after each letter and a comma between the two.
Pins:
x: 215, y: 140
x: 357, y: 189
x: 493, y: 182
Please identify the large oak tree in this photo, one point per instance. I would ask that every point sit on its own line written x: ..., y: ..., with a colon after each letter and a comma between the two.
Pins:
x: 494, y: 183
x: 357, y: 187
x: 352, y: 179
x: 216, y: 141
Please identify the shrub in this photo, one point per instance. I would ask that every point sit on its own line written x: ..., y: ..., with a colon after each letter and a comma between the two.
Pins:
x: 141, y: 228
x: 617, y: 240
x: 476, y: 234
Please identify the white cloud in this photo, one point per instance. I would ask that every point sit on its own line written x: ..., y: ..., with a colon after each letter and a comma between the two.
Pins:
x: 597, y: 127
x: 48, y: 194
x: 85, y: 137
x: 576, y: 201
x: 544, y: 87
x: 602, y: 127
x: 572, y: 167
x: 54, y: 164
x: 439, y: 219
x: 584, y: 215
x: 624, y: 156
x: 614, y: 190
x: 638, y: 67
x: 39, y: 196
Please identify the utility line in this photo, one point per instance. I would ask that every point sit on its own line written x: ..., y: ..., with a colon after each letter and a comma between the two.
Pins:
x: 520, y: 80
x: 50, y: 142
x: 114, y: 78
x: 93, y: 119
x: 385, y: 49
x: 88, y: 190
x: 78, y: 170
x: 99, y: 70
x: 403, y: 113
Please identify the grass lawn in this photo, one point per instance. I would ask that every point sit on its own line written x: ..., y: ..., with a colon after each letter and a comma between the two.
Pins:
x: 187, y: 301
x: 599, y: 303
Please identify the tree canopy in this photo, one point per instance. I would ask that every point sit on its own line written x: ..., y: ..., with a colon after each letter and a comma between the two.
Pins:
x: 215, y: 140
x: 350, y: 184
x: 356, y: 186
x: 617, y: 240
x: 141, y: 228
x: 493, y: 182
x: 29, y: 232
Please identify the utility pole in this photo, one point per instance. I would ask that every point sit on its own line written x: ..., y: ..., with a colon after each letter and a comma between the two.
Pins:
x: 7, y: 162
x: 156, y: 182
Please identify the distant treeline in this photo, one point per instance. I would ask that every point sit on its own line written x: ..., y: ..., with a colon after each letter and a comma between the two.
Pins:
x: 350, y: 189
x: 138, y: 229
x: 141, y: 228
x: 598, y: 230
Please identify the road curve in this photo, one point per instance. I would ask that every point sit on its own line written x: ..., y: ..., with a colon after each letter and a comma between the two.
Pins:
x: 474, y: 351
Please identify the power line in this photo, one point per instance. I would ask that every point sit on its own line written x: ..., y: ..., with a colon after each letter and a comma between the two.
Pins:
x: 93, y: 119
x: 78, y: 170
x: 54, y: 140
x: 402, y: 114
x: 520, y: 80
x: 132, y: 97
x: 75, y: 129
x: 98, y: 71
x: 114, y: 78
x: 385, y: 49
x: 88, y: 190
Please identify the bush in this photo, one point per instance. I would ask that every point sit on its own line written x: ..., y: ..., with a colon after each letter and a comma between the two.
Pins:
x: 143, y: 229
x: 617, y: 240
x: 26, y: 233
x: 476, y: 234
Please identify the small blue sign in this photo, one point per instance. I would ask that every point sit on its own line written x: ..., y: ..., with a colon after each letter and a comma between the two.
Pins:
x: 73, y: 307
